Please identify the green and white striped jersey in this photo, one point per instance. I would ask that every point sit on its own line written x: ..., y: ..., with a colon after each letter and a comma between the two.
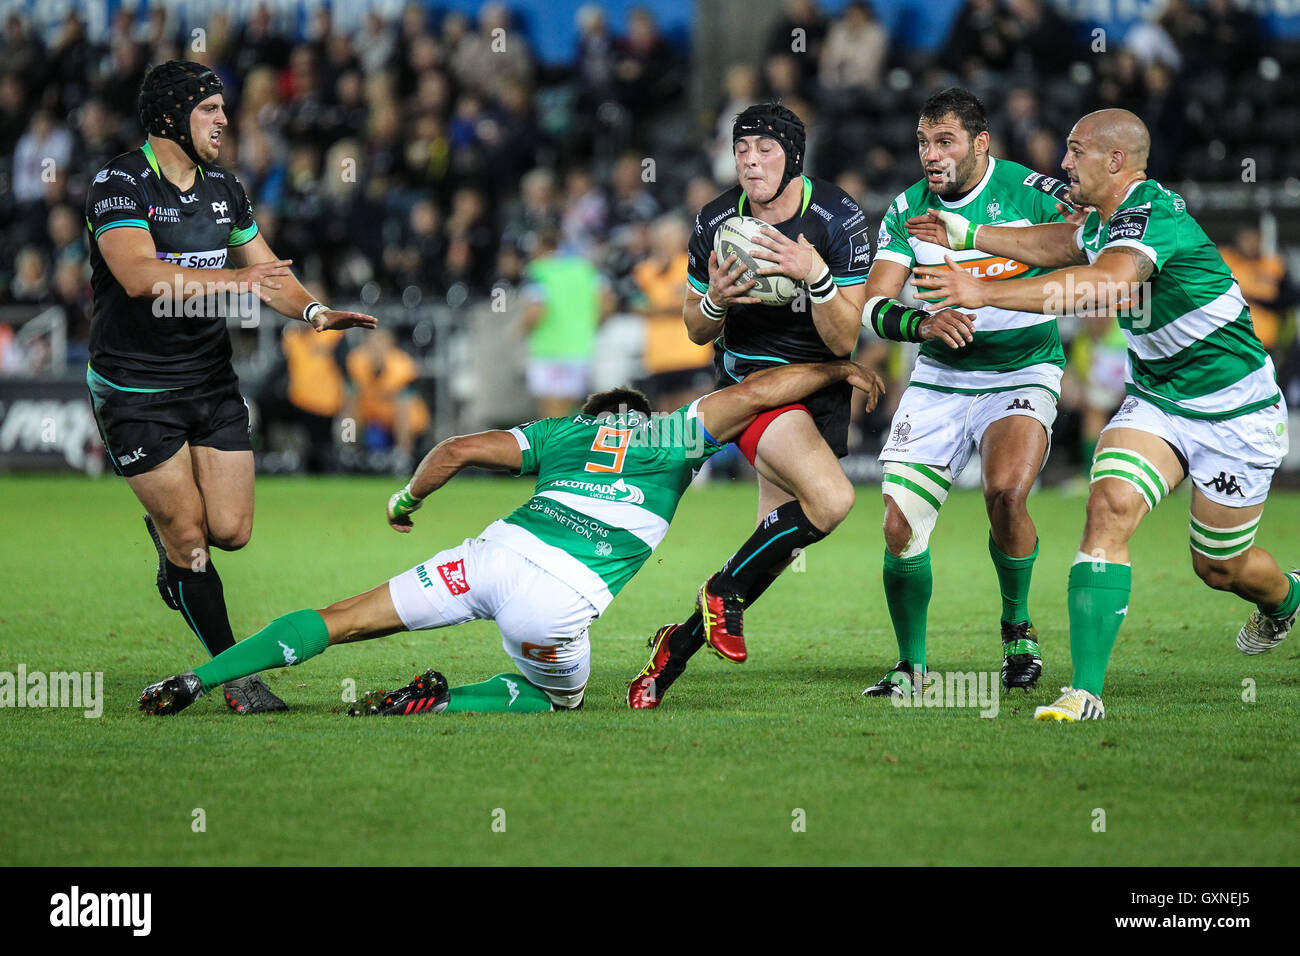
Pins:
x: 1011, y: 349
x: 1192, y: 350
x: 607, y: 487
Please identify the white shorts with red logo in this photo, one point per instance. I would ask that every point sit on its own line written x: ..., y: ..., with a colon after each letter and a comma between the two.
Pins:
x: 543, y: 621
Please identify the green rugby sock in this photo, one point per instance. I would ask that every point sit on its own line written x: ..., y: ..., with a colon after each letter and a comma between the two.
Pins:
x: 908, y: 586
x: 1288, y: 605
x: 1013, y: 581
x: 504, y: 692
x: 1099, y: 593
x: 290, y: 639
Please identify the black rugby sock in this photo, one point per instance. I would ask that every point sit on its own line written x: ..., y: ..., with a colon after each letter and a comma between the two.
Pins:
x: 773, y: 543
x: 203, y: 605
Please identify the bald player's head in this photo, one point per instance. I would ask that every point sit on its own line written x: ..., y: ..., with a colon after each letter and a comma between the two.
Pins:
x: 1107, y: 150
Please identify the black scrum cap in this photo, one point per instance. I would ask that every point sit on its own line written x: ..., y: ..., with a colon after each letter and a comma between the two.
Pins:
x: 168, y: 96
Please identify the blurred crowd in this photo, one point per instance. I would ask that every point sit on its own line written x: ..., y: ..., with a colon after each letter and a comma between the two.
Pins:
x: 431, y: 158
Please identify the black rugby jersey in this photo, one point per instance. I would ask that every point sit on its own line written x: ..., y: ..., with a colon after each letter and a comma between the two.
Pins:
x: 758, y: 335
x: 134, y: 343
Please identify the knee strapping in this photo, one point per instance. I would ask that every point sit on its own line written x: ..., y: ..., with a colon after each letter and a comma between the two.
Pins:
x: 919, y: 491
x: 1223, y: 543
x: 1133, y: 468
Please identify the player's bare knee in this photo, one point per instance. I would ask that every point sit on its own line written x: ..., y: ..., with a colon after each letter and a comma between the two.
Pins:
x: 898, y: 533
x: 1215, y: 572
x: 1006, y: 503
x: 831, y: 506
x: 231, y: 540
x: 1112, y: 505
x: 185, y: 539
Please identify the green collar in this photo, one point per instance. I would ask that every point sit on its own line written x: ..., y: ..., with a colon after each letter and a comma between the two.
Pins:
x: 153, y: 162
x: 807, y: 198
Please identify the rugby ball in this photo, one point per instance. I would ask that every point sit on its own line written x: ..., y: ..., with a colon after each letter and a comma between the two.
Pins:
x: 736, y: 235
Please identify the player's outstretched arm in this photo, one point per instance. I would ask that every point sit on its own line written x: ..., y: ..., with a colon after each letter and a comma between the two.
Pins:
x: 132, y: 257
x: 1109, y: 284
x: 497, y: 450
x: 729, y: 411
x: 289, y: 298
x: 1048, y: 245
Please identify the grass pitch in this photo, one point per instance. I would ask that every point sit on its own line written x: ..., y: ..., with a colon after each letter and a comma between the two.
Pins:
x: 777, y: 761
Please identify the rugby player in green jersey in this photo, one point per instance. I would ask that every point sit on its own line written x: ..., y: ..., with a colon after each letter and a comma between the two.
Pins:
x: 990, y: 387
x: 608, y: 483
x: 166, y: 225
x: 1203, y: 401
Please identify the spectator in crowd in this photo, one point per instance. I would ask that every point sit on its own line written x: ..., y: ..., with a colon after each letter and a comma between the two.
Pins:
x: 631, y: 201
x: 1150, y: 41
x: 782, y: 77
x: 981, y: 39
x: 20, y: 49
x: 679, y: 370
x: 585, y: 214
x: 594, y: 60
x: 30, y: 284
x: 647, y: 76
x: 1264, y: 284
x: 855, y: 51
x: 565, y: 299
x: 383, y: 398
x: 417, y: 258
x: 497, y: 54
x: 471, y: 245
x: 42, y: 153
x: 741, y: 84
x: 66, y: 237
x: 1039, y: 37
x: 72, y: 294
x: 537, y: 208
x: 1022, y: 122
x: 799, y: 30
x: 377, y: 45
x: 311, y: 392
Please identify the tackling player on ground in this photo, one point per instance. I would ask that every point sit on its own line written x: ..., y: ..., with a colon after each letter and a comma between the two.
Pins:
x: 817, y: 236
x: 990, y: 386
x: 163, y: 221
x: 1203, y: 399
x: 608, y: 484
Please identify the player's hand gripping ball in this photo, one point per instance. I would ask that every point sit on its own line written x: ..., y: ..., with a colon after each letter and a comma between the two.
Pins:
x: 736, y: 237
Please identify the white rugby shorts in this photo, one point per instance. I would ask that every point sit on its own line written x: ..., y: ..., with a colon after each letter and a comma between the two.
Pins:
x: 945, y: 428
x: 1230, y: 460
x: 543, y: 621
x: 559, y: 378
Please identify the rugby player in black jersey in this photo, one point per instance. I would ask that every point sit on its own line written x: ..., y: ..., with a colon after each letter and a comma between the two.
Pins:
x: 819, y: 237
x: 172, y: 240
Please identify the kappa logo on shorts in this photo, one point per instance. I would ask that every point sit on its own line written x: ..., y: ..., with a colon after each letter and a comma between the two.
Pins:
x: 453, y: 575
x: 1020, y: 403
x: 1224, y: 484
x: 543, y: 653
